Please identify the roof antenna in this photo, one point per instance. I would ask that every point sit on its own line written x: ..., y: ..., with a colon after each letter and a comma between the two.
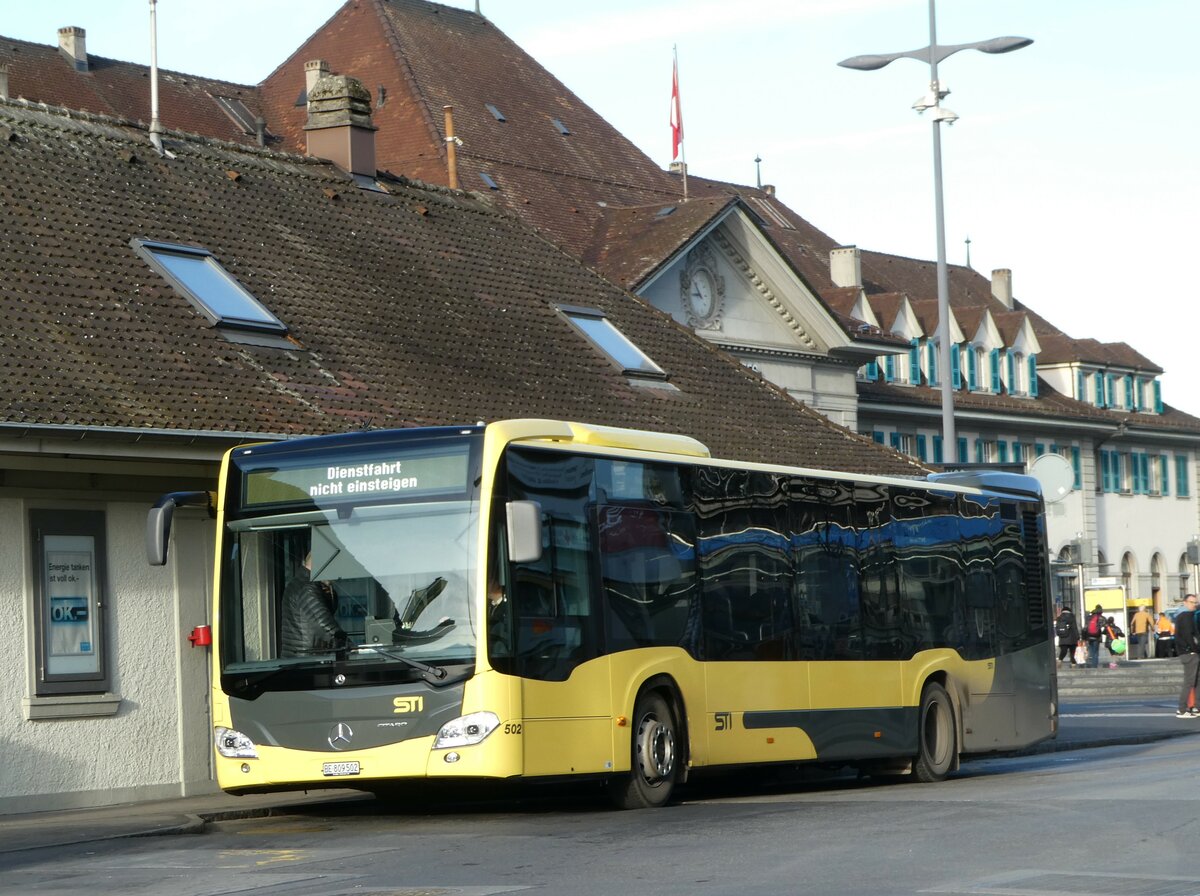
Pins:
x: 968, y: 251
x: 758, y: 170
x: 156, y: 128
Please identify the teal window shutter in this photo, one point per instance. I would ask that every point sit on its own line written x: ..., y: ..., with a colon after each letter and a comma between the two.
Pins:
x: 1181, y: 476
x: 962, y: 449
x: 1110, y: 389
x: 1129, y: 391
x: 979, y: 458
x: 1077, y: 466
x: 895, y: 440
x: 1038, y: 449
x: 932, y: 358
x: 1080, y: 385
x: 994, y: 363
x: 922, y: 447
x: 914, y: 363
x: 1032, y: 362
x: 1105, y: 477
x: 972, y: 373
x: 1100, y: 402
x: 1002, y: 451
x: 1158, y: 405
x: 1018, y: 452
x: 937, y: 450
x: 1139, y: 394
x: 877, y: 436
x: 956, y: 366
x: 1012, y: 373
x: 1164, y: 475
x: 889, y: 368
x: 872, y: 371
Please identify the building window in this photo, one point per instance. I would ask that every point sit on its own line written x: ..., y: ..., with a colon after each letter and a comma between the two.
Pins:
x: 616, y: 345
x: 197, y: 275
x: 70, y: 596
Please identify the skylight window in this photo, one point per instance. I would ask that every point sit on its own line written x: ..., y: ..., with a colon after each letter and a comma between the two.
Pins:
x: 211, y: 289
x: 487, y: 179
x: 496, y: 113
x: 562, y: 128
x: 600, y: 331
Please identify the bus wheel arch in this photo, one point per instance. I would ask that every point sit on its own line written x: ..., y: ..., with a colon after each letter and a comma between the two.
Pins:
x: 938, y: 733
x: 657, y: 745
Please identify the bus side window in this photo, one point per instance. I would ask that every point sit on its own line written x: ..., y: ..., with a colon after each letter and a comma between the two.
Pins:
x: 648, y: 571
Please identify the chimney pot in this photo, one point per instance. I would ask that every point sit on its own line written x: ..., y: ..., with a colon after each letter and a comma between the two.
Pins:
x: 339, y: 124
x: 679, y: 168
x: 314, y: 71
x: 1002, y: 286
x: 845, y: 266
x: 769, y: 189
x: 72, y: 43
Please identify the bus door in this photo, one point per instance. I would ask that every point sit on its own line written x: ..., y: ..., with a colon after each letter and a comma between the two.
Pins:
x: 566, y: 702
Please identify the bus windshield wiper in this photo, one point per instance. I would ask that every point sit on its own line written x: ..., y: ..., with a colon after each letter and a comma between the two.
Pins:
x: 437, y: 672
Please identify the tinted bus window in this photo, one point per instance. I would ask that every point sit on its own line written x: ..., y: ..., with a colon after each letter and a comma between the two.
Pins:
x: 553, y: 613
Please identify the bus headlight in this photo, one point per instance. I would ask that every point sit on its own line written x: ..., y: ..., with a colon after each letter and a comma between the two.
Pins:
x: 466, y: 730
x: 233, y: 744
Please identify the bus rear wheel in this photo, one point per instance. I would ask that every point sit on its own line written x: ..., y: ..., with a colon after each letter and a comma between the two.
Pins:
x: 654, y: 766
x: 937, y: 743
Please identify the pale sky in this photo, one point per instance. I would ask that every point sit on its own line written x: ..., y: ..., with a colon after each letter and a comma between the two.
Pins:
x: 1074, y: 161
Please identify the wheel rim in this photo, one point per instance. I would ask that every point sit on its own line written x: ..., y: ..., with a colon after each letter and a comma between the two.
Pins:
x: 656, y: 750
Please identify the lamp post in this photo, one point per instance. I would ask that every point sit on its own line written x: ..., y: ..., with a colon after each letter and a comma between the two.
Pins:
x: 933, y: 54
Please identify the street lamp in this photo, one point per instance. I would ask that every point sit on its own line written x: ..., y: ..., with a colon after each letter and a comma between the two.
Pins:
x: 933, y: 54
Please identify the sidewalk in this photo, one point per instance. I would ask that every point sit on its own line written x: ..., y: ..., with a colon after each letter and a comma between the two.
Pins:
x: 185, y: 815
x: 188, y: 815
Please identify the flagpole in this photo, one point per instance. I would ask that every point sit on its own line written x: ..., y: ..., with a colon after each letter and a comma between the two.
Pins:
x: 677, y: 124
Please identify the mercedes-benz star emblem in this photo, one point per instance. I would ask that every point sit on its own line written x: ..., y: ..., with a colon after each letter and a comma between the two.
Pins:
x: 339, y: 736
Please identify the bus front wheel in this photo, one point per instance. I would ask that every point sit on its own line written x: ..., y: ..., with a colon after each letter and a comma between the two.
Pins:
x: 654, y: 766
x: 936, y: 739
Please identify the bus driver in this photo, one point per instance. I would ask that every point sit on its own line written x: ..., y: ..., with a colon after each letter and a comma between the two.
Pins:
x: 308, y: 624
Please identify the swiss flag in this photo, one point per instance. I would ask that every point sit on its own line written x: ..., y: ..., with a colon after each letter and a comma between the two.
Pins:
x: 676, y: 112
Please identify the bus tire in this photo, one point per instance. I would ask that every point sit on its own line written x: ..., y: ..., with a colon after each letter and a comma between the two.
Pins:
x: 654, y: 757
x: 937, y: 742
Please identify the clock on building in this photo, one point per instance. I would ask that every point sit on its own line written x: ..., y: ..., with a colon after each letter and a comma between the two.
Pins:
x: 702, y: 290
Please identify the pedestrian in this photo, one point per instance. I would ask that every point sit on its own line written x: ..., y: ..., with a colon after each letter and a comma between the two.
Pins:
x: 1093, y: 632
x: 1187, y: 647
x: 1067, y: 630
x: 1140, y: 627
x: 1164, y: 637
x: 1112, y: 631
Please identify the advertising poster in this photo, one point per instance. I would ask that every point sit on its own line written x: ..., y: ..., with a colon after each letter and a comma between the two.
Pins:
x: 70, y: 604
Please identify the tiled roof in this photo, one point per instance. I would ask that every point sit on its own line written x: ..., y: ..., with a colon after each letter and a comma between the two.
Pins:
x: 41, y: 74
x: 421, y: 306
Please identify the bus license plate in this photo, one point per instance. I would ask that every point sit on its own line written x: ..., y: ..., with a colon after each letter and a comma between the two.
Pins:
x: 336, y: 769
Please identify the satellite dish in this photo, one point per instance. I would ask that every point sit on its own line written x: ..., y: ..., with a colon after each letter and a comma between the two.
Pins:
x: 1055, y: 475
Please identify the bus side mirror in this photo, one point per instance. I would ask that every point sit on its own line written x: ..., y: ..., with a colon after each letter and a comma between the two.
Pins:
x: 524, y: 531
x: 158, y: 521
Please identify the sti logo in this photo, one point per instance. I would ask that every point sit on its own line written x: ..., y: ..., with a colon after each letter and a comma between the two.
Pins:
x: 402, y: 705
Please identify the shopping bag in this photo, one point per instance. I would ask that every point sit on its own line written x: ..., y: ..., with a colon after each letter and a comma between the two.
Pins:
x: 1080, y: 654
x: 1118, y: 646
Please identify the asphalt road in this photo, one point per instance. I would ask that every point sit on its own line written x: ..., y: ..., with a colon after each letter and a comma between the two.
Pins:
x: 1120, y: 819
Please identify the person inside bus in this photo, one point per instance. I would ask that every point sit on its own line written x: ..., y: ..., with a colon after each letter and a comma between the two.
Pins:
x: 308, y: 625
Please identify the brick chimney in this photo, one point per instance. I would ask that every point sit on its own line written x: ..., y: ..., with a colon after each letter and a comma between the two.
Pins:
x: 845, y: 266
x: 72, y: 43
x: 339, y: 124
x: 1002, y: 286
x: 3, y: 80
x: 314, y: 71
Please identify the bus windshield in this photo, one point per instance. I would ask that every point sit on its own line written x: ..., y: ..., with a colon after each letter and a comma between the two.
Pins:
x: 322, y: 574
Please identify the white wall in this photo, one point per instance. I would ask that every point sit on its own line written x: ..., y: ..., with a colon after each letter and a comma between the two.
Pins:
x: 136, y: 753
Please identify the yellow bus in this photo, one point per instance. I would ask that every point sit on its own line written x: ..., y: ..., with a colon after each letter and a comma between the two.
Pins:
x: 536, y: 599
